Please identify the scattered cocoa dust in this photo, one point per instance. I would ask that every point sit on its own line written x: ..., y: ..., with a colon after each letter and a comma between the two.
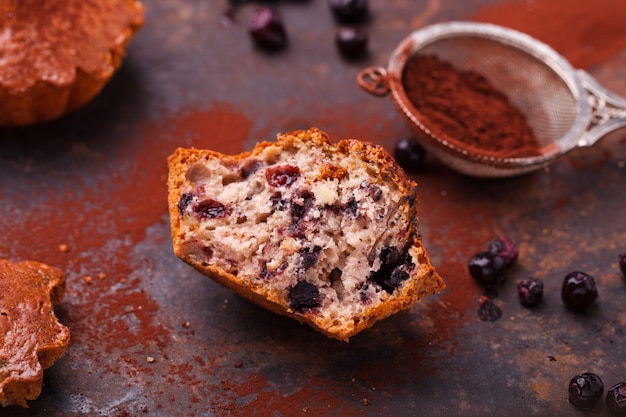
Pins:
x: 587, y: 33
x: 90, y: 235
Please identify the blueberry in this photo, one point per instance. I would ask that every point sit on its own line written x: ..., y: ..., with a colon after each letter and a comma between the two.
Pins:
x: 394, y: 268
x: 352, y: 205
x: 487, y: 310
x: 487, y: 269
x: 349, y: 11
x: 530, y: 291
x: 309, y: 256
x: 409, y: 154
x: 267, y: 29
x: 585, y: 390
x: 298, y: 211
x: 184, y: 202
x: 579, y: 290
x: 622, y: 263
x: 397, y: 277
x: 304, y: 296
x: 249, y: 167
x: 351, y: 42
x: 616, y: 400
x: 506, y: 249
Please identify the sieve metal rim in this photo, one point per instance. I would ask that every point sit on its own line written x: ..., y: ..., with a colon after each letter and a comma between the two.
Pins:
x: 419, y: 39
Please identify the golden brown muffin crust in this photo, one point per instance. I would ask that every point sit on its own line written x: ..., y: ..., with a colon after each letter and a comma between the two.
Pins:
x: 56, y: 55
x: 31, y: 338
x: 47, y: 40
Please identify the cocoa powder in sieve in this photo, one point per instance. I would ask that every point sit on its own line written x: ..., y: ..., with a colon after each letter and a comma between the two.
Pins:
x: 463, y: 108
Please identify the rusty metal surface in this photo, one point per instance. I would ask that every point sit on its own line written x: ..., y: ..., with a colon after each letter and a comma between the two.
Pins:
x: 150, y: 336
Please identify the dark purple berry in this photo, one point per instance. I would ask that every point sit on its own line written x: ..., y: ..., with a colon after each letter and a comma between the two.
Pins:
x: 585, y: 390
x: 397, y: 277
x: 299, y: 209
x: 250, y: 167
x: 309, y: 256
x: 184, y: 202
x: 579, y: 290
x: 278, y: 202
x: 487, y: 269
x: 622, y: 263
x: 487, y: 310
x: 304, y: 296
x: 349, y: 11
x: 211, y: 209
x: 282, y: 175
x: 530, y: 291
x: 506, y: 249
x: 394, y: 268
x: 267, y: 29
x: 351, y: 42
x: 616, y: 400
x: 375, y: 192
x: 409, y: 154
x: 389, y: 255
x: 352, y: 206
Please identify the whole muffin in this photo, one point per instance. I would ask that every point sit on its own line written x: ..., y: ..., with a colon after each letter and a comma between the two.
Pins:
x: 31, y: 336
x: 56, y: 55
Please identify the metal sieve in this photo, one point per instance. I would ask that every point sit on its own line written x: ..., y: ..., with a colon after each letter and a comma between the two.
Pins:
x: 566, y: 108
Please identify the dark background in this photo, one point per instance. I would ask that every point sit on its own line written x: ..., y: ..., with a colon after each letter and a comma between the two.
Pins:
x: 95, y: 181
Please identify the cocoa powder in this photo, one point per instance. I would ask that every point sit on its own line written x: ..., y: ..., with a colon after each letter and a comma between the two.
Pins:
x: 463, y: 108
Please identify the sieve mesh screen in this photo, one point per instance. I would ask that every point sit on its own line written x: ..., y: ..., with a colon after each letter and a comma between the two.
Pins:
x: 531, y: 84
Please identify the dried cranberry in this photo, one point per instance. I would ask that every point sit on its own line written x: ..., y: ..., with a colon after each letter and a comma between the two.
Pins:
x: 622, y: 263
x: 530, y: 291
x: 585, y: 390
x: 487, y: 310
x: 304, y: 296
x: 184, y: 202
x: 282, y: 175
x: 616, y: 400
x: 409, y: 154
x: 579, y: 290
x: 506, y: 249
x: 211, y: 209
x: 487, y: 269
x: 267, y: 29
x: 349, y: 11
x: 351, y: 42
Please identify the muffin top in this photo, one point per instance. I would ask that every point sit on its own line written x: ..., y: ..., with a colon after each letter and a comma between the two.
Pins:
x: 49, y: 40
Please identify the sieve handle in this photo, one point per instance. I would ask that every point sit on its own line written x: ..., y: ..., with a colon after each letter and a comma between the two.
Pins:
x: 374, y: 80
x: 608, y: 110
